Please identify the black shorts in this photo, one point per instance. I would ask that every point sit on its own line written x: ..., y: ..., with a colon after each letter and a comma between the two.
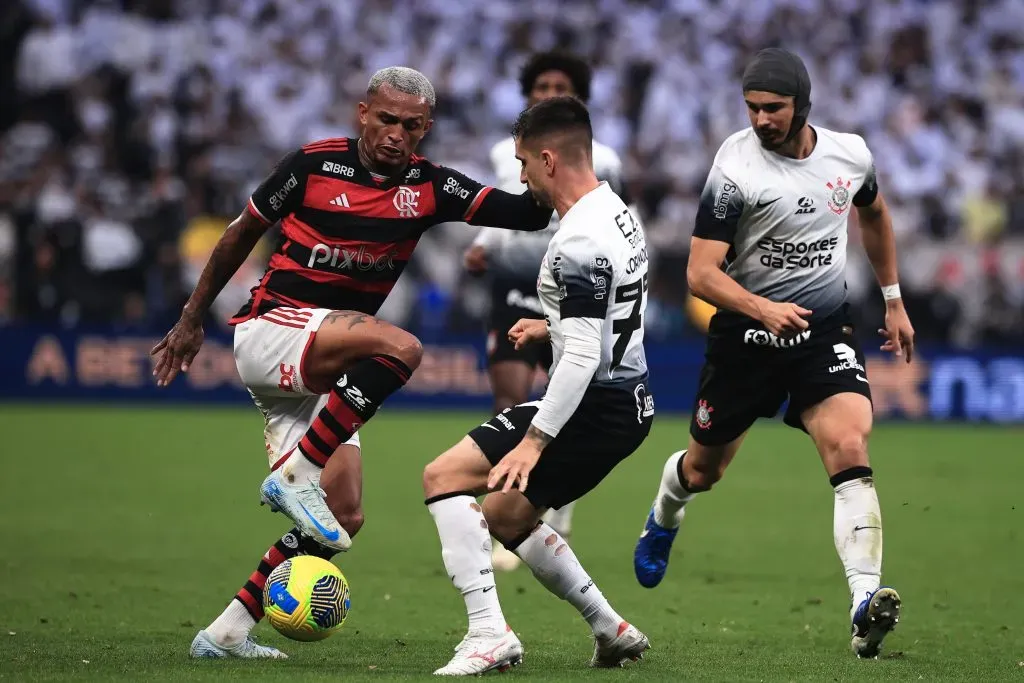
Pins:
x: 513, y: 299
x: 607, y: 427
x: 749, y: 373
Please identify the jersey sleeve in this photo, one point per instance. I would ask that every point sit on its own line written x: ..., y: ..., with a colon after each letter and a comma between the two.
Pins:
x: 583, y: 273
x: 721, y: 205
x: 281, y: 192
x: 869, y: 189
x: 458, y: 195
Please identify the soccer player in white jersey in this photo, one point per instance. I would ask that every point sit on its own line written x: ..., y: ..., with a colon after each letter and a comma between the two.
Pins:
x: 596, y: 411
x: 775, y: 210
x: 513, y: 263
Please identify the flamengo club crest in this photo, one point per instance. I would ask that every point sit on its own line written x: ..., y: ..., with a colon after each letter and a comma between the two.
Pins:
x: 840, y: 198
x: 407, y: 202
x: 704, y: 414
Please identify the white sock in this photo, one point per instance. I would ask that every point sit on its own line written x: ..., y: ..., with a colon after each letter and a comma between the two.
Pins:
x: 232, y: 626
x: 561, y: 519
x: 466, y: 551
x: 857, y: 528
x: 669, y: 506
x: 298, y: 469
x: 556, y: 567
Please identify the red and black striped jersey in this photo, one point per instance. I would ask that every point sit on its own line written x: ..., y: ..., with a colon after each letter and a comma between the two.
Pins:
x: 346, y: 236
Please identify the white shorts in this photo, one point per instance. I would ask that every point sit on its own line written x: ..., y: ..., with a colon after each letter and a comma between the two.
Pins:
x: 269, y: 353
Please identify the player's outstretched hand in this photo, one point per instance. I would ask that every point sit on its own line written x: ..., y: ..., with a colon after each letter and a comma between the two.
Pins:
x: 475, y: 259
x: 515, y: 467
x: 898, y: 332
x: 175, y: 352
x: 526, y: 331
x: 784, y: 320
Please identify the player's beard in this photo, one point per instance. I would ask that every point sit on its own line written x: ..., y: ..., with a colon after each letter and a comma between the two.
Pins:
x: 542, y: 198
x: 770, y: 140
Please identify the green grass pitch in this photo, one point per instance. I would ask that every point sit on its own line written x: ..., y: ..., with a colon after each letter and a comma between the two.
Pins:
x: 126, y: 529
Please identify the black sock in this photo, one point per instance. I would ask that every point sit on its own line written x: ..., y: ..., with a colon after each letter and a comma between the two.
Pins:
x: 353, y: 401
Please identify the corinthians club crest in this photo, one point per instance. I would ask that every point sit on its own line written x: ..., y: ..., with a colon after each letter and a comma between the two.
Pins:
x: 704, y: 414
x: 840, y: 198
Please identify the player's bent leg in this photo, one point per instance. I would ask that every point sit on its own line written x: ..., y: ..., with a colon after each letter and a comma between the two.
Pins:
x: 451, y: 483
x: 357, y: 361
x: 685, y: 474
x: 840, y: 426
x: 513, y: 520
x: 511, y: 381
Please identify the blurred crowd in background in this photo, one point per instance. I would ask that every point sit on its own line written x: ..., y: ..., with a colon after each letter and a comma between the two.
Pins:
x: 131, y: 133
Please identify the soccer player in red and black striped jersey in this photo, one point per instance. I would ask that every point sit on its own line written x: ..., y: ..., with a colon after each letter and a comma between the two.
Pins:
x: 316, y: 361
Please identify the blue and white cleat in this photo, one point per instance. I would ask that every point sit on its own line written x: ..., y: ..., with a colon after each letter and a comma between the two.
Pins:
x: 203, y: 647
x: 875, y: 617
x: 306, y: 504
x: 650, y: 558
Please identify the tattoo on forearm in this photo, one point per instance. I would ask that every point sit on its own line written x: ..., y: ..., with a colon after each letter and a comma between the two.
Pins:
x: 540, y: 437
x: 353, y: 317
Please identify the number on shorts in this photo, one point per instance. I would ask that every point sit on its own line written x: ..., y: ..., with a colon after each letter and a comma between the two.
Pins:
x: 845, y: 353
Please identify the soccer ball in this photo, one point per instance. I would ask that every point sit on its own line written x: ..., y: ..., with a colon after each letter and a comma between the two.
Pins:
x: 306, y: 598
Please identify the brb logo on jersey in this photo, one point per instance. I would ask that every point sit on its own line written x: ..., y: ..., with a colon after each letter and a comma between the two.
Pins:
x: 840, y: 199
x: 407, y: 201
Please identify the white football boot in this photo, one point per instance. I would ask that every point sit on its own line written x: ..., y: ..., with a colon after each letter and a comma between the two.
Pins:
x: 628, y: 645
x: 481, y: 652
x: 306, y: 504
x: 203, y: 647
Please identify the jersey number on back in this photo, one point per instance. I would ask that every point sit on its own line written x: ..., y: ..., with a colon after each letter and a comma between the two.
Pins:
x: 625, y: 327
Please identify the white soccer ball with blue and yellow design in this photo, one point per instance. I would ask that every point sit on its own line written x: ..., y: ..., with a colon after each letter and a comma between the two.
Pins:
x: 306, y: 598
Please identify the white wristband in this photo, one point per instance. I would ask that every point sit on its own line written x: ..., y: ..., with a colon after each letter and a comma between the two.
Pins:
x: 890, y: 292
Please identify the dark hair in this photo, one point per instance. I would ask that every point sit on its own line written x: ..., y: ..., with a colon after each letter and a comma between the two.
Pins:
x: 572, y: 66
x: 564, y: 116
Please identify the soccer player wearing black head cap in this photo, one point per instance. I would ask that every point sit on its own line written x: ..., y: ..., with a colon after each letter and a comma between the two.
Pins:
x: 774, y: 212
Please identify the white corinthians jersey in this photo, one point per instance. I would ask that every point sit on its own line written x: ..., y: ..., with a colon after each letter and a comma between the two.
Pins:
x: 519, y: 253
x: 596, y: 267
x: 785, y: 218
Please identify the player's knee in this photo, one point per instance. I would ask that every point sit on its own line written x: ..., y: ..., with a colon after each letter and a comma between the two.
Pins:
x: 506, y: 525
x: 351, y: 520
x: 434, y: 478
x: 442, y: 476
x: 406, y: 348
x: 848, y: 450
x: 700, y: 476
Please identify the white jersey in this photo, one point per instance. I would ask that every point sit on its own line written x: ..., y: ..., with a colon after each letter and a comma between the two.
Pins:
x: 596, y: 267
x: 518, y: 254
x: 785, y: 218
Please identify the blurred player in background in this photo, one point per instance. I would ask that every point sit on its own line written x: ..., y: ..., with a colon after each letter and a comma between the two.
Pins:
x: 595, y: 413
x: 315, y: 361
x: 513, y: 259
x: 775, y: 210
